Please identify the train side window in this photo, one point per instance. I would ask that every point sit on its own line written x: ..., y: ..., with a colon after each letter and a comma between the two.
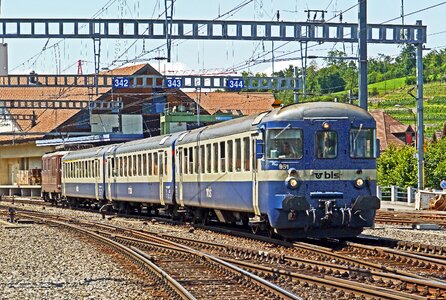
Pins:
x: 238, y: 155
x: 150, y: 164
x: 215, y: 154
x: 230, y: 156
x: 155, y: 163
x: 208, y: 157
x: 135, y: 165
x: 202, y: 159
x: 326, y: 144
x: 254, y: 159
x: 196, y: 160
x: 144, y: 164
x: 130, y: 165
x: 125, y: 166
x: 161, y: 163
x: 121, y: 171
x: 247, y: 152
x: 138, y: 165
x: 165, y: 163
x: 191, y: 160
x: 222, y: 157
x: 185, y: 161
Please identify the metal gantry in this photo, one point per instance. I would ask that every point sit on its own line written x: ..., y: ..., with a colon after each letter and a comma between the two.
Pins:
x: 209, y: 30
x: 17, y: 116
x: 61, y: 104
x: 146, y: 81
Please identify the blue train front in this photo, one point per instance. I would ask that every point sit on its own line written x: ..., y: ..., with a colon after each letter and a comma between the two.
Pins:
x: 318, y: 170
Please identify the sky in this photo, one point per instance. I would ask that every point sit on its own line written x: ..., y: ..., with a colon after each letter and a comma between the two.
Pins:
x: 199, y: 57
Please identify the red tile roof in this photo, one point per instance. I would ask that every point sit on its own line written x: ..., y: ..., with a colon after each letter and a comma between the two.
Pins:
x: 246, y: 102
x: 49, y: 119
x: 387, y: 127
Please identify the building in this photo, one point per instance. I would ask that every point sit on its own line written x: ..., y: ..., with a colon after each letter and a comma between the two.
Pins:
x: 242, y: 103
x: 391, y: 131
x: 55, y: 128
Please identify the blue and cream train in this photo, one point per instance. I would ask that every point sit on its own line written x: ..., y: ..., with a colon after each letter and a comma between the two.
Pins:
x: 301, y: 170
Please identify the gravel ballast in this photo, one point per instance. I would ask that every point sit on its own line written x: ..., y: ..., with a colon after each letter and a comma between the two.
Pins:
x: 40, y: 262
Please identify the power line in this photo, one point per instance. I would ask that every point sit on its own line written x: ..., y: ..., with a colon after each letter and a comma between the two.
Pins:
x: 46, y: 47
x: 415, y: 12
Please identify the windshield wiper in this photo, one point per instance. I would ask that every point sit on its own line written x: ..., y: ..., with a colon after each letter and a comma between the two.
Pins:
x: 288, y: 126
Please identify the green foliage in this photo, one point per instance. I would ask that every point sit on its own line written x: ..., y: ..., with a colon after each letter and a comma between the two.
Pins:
x: 435, y: 163
x: 330, y: 80
x: 397, y: 166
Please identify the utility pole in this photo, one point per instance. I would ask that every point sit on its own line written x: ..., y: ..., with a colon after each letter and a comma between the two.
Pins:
x: 296, y: 84
x: 168, y: 5
x: 402, y: 12
x: 362, y: 31
x: 420, y: 128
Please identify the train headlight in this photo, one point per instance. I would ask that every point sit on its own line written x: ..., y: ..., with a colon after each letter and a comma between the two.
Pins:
x: 292, y: 183
x: 359, y: 183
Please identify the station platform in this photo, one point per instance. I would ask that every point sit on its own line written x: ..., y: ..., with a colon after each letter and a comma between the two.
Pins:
x: 405, y: 207
x: 399, y: 206
x: 32, y: 191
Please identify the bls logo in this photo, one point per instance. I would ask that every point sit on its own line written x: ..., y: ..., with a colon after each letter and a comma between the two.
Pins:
x: 327, y: 175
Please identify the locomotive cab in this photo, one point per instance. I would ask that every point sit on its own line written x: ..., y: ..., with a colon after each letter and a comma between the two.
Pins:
x: 321, y: 176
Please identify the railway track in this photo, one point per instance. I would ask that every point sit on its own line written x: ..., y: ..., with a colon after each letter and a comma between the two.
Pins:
x: 409, y: 218
x: 184, y: 273
x: 344, y: 267
x: 287, y: 271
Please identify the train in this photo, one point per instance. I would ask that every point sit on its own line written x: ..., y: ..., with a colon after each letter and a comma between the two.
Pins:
x: 303, y: 170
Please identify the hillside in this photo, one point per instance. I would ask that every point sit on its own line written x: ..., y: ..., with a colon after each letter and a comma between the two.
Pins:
x: 400, y: 105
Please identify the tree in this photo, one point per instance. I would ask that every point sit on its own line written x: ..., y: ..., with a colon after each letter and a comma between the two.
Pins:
x: 397, y: 166
x: 435, y: 163
x: 330, y: 80
x: 406, y: 61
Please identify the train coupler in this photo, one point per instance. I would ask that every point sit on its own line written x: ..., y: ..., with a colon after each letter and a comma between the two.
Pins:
x: 312, y: 211
x: 292, y: 215
x: 346, y: 211
x: 328, y: 210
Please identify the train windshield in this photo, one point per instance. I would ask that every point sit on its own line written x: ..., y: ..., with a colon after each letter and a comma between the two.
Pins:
x: 362, y: 143
x: 285, y: 143
x: 326, y: 144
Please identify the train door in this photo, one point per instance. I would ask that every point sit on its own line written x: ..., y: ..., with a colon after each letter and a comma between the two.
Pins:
x: 161, y: 166
x: 108, y: 175
x: 179, y: 169
x: 96, y: 173
x: 255, y: 182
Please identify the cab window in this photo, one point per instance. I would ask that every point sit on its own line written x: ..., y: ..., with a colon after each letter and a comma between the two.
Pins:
x: 284, y: 143
x: 362, y: 143
x: 326, y: 144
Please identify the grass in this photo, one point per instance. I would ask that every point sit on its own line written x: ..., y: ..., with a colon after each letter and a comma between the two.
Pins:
x: 386, y: 86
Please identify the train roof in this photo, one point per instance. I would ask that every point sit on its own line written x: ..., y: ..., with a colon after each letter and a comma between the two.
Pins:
x: 86, y: 153
x: 148, y: 143
x: 302, y: 111
x: 57, y: 153
x: 314, y: 110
